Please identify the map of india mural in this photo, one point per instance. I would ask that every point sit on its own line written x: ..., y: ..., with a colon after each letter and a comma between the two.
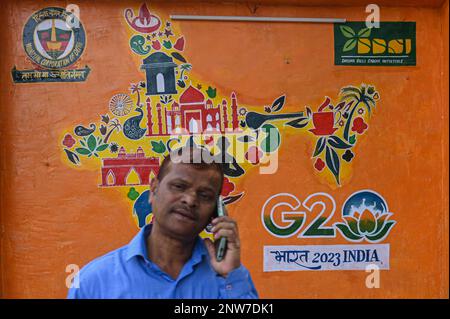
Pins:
x: 167, y: 108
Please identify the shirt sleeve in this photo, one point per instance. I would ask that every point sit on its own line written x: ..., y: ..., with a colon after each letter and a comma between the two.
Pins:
x: 237, y: 285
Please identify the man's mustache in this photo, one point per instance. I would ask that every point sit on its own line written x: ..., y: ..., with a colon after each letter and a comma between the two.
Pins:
x: 186, y: 211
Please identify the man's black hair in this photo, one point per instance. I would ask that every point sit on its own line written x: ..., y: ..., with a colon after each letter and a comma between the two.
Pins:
x: 199, y: 157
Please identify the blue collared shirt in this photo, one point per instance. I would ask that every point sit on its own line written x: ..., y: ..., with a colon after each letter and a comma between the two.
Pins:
x: 128, y: 273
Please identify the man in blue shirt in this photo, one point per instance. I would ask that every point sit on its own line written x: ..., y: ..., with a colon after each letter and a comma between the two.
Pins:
x: 168, y: 258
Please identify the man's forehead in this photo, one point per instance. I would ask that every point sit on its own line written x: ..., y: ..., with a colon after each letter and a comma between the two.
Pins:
x: 189, y: 155
x: 201, y: 172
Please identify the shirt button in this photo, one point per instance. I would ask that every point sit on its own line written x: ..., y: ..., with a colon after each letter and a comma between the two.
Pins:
x: 228, y: 287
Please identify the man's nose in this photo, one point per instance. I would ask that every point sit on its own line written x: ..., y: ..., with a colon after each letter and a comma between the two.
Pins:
x: 190, y: 199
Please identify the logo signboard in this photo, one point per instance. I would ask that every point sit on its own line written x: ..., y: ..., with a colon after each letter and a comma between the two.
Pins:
x: 53, y: 46
x: 366, y: 220
x: 393, y: 43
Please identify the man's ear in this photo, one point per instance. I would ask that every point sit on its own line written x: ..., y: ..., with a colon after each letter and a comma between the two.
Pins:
x: 153, y: 188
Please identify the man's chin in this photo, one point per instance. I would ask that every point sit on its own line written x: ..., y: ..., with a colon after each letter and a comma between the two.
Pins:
x: 181, y: 228
x: 184, y: 231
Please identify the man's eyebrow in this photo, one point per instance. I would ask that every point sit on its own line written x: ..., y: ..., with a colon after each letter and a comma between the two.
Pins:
x: 207, y: 188
x: 179, y: 180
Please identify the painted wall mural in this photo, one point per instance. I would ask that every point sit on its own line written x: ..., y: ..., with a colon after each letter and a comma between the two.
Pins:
x: 168, y: 108
x: 323, y: 154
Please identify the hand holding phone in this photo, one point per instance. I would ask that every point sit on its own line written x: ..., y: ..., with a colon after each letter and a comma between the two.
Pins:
x: 224, y: 252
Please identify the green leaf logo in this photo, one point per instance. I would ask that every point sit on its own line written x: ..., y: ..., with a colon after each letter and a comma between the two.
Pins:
x: 353, y: 38
x: 364, y: 33
x: 350, y: 44
x: 347, y: 31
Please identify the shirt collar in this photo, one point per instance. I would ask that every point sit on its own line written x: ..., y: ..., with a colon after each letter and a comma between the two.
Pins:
x: 138, y: 246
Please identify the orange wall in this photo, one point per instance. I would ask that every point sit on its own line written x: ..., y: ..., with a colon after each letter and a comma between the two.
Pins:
x: 53, y: 215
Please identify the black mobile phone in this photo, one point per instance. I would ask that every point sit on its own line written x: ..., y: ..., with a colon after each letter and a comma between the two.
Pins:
x: 221, y: 243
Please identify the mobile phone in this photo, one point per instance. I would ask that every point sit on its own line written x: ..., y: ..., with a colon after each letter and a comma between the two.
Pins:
x: 221, y: 243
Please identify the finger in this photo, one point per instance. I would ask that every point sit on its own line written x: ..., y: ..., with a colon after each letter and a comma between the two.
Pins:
x: 217, y: 220
x: 223, y: 219
x: 210, y: 247
x: 224, y: 225
x: 230, y: 228
x: 227, y: 233
x: 230, y: 235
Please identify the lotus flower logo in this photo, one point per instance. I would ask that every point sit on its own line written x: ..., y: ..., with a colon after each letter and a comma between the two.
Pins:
x: 366, y: 216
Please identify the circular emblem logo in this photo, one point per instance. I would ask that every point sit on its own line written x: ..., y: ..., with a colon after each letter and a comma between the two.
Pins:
x: 54, y: 38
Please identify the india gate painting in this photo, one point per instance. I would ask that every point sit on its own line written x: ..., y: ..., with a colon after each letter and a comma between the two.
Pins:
x: 115, y: 171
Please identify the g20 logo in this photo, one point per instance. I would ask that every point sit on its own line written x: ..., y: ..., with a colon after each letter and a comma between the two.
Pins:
x: 365, y: 215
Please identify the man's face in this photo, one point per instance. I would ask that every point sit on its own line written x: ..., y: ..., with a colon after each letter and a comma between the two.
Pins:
x: 185, y: 199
